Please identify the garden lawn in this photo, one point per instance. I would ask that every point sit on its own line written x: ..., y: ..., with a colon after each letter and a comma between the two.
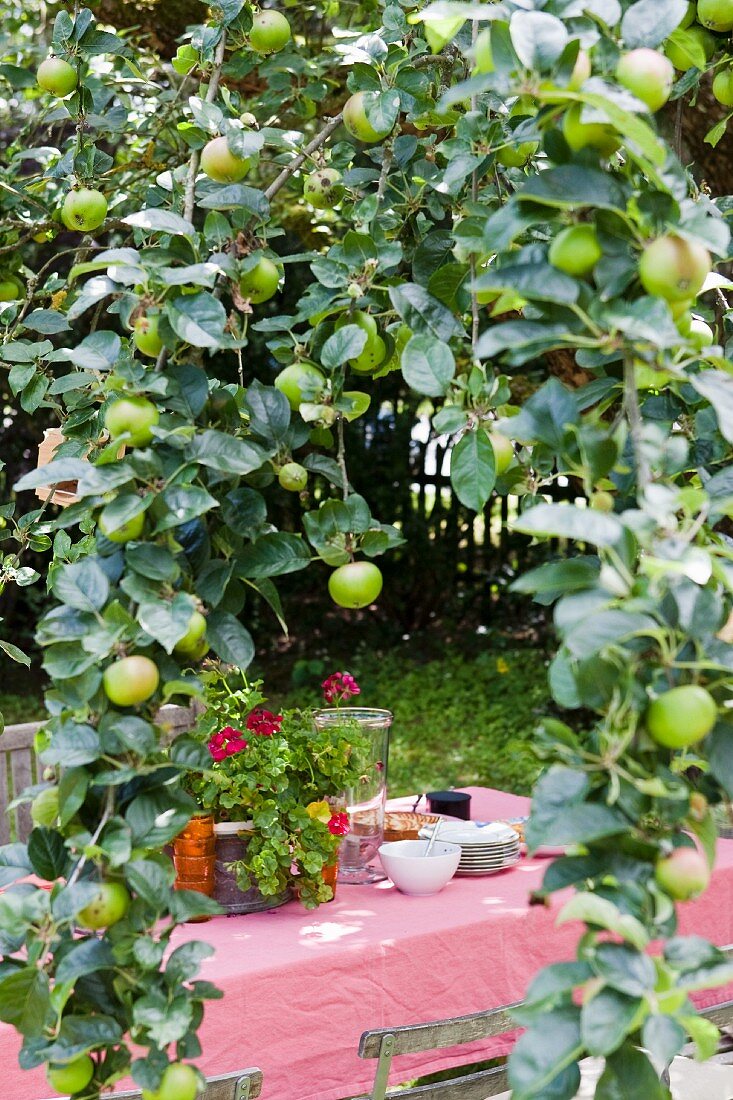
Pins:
x: 459, y: 721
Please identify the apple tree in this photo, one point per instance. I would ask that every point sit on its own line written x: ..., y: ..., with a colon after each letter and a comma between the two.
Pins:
x: 467, y: 194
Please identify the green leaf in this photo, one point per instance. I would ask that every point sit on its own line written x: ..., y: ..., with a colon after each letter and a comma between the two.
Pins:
x: 269, y: 413
x: 573, y: 185
x: 199, y: 319
x: 73, y: 744
x: 717, y: 388
x: 624, y: 969
x: 423, y: 313
x: 647, y: 24
x: 538, y: 281
x: 167, y: 622
x: 704, y: 1034
x: 79, y: 1034
x: 184, y: 963
x: 473, y: 469
x: 179, y: 504
x: 86, y: 957
x: 47, y: 321
x: 538, y: 38
x: 663, y: 1037
x: 15, y: 654
x: 272, y: 555
x: 628, y: 1072
x: 428, y: 365
x: 160, y: 221
x: 47, y: 853
x: 561, y: 814
x: 544, y: 1052
x: 83, y: 585
x: 226, y: 453
x: 606, y: 1019
x: 553, y: 579
x: 545, y: 417
x: 568, y: 521
x: 346, y: 343
x: 25, y: 1001
x: 14, y: 863
x: 151, y: 881
x: 597, y: 911
x: 229, y: 639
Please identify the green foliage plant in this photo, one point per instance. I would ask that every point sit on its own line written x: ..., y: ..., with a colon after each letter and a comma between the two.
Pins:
x: 281, y: 776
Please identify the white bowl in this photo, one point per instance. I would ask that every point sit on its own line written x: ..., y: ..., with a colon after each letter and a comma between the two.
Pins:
x: 413, y: 872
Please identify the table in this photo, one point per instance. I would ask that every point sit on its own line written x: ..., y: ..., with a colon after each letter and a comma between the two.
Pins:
x: 300, y: 986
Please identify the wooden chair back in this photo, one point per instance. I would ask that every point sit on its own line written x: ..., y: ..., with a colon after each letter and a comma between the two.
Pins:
x: 21, y: 768
x: 387, y: 1042
x: 245, y: 1084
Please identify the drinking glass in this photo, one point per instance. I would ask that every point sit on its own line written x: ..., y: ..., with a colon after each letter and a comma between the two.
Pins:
x: 365, y: 801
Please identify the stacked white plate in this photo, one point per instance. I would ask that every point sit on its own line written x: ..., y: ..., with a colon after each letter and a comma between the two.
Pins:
x: 486, y: 849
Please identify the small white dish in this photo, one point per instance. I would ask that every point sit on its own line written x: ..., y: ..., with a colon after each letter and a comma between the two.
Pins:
x: 413, y: 872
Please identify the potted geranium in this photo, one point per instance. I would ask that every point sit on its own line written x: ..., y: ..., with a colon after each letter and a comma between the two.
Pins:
x: 274, y: 787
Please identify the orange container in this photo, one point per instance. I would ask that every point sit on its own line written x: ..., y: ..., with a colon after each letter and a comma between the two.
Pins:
x: 193, y: 858
x: 330, y: 875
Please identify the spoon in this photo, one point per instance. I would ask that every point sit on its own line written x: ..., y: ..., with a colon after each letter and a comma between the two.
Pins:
x: 436, y: 827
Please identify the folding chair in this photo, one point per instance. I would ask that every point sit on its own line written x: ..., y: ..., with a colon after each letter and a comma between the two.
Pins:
x: 387, y: 1042
x: 246, y: 1084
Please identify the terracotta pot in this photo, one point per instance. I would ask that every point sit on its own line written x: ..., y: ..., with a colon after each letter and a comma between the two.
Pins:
x: 194, y: 859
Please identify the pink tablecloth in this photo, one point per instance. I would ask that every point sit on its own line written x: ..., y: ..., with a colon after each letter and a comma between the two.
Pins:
x: 300, y: 987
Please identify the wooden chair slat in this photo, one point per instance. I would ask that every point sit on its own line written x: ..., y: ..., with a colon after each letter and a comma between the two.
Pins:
x: 21, y: 772
x: 416, y: 1038
x: 226, y: 1086
x: 19, y: 737
x: 4, y: 789
x: 476, y: 1086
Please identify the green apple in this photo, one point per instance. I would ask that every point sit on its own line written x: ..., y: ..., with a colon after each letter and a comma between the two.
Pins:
x: 503, y: 449
x: 220, y: 164
x: 581, y: 71
x: 681, y: 716
x: 716, y: 15
x: 84, y: 209
x: 356, y: 584
x: 107, y: 908
x: 190, y: 644
x: 359, y: 317
x: 293, y: 477
x: 71, y: 1076
x: 575, y: 250
x: 45, y: 807
x: 723, y: 87
x: 679, y: 53
x: 516, y: 156
x: 323, y: 189
x: 128, y: 531
x: 598, y: 135
x: 300, y: 382
x: 674, y: 268
x: 648, y: 74
x: 684, y: 874
x: 134, y: 415
x: 179, y: 1082
x: 270, y: 32
x: 356, y: 121
x: 260, y: 283
x: 145, y: 335
x: 129, y: 681
x: 11, y: 289
x: 602, y: 501
x: 57, y: 77
x: 370, y: 358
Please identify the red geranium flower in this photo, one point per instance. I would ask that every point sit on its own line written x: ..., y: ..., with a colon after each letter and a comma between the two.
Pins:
x: 264, y: 722
x: 225, y: 743
x: 340, y: 687
x: 339, y: 824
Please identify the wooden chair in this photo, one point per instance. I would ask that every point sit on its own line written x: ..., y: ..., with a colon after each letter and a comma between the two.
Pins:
x: 385, y: 1043
x: 245, y: 1084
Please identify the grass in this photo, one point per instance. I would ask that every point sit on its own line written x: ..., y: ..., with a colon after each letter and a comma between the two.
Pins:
x: 458, y: 720
x: 21, y: 708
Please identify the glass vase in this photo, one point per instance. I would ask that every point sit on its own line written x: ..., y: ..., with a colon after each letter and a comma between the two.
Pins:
x: 364, y: 802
